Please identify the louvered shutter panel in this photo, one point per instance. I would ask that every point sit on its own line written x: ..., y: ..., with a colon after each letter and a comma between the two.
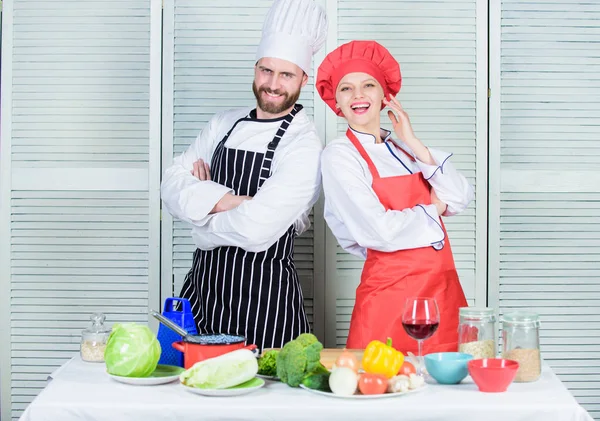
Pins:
x: 435, y: 44
x: 546, y: 245
x: 209, y: 67
x: 82, y: 203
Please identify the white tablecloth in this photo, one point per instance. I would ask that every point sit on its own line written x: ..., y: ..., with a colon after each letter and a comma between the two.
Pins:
x: 83, y: 391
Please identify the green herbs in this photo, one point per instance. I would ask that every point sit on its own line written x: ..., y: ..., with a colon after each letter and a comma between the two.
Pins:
x: 267, y: 363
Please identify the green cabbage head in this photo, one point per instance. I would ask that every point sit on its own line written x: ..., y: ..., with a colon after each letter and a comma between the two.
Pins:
x: 132, y: 350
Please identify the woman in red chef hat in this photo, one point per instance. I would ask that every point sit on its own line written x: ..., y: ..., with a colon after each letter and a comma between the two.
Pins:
x: 384, y: 198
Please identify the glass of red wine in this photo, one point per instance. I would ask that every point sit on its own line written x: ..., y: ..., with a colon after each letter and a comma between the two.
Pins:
x: 420, y: 320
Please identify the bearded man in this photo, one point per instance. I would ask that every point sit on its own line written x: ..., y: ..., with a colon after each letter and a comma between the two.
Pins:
x: 247, y: 185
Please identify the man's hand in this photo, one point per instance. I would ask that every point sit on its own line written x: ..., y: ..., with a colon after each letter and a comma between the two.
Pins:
x: 439, y: 205
x: 201, y: 170
x: 228, y: 202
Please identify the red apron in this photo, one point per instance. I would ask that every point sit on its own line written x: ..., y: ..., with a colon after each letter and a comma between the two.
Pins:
x: 388, y: 278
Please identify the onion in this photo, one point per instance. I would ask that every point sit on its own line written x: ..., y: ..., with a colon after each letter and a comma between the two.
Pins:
x: 343, y: 381
x: 347, y: 360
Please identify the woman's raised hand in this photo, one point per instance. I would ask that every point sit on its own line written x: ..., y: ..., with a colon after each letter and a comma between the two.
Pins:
x: 401, y: 124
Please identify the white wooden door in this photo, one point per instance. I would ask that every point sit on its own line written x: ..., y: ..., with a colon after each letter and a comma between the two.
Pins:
x: 442, y: 51
x: 80, y: 171
x: 544, y: 179
x: 208, y: 63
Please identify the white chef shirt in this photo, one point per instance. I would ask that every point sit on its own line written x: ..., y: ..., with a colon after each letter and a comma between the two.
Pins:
x: 284, y: 199
x: 353, y: 211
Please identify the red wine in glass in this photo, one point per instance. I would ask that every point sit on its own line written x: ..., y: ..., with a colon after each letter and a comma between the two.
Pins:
x: 420, y: 320
x: 420, y: 329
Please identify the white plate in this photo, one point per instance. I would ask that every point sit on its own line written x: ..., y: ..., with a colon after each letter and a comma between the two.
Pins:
x: 248, y: 387
x: 359, y: 396
x: 274, y: 378
x: 162, y: 375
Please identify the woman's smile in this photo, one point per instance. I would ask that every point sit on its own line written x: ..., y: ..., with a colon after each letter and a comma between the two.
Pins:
x: 360, y: 107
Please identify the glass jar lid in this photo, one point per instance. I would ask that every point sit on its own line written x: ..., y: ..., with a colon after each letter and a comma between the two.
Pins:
x: 521, y: 318
x: 476, y: 312
x: 97, y: 327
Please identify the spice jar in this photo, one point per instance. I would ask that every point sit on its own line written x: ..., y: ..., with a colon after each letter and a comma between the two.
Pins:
x: 94, y: 338
x: 477, y: 332
x: 521, y: 343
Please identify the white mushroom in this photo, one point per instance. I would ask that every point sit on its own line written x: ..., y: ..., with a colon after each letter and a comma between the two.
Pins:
x: 398, y: 384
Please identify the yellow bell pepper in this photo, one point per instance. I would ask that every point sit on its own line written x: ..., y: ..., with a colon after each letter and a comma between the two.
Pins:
x: 381, y: 358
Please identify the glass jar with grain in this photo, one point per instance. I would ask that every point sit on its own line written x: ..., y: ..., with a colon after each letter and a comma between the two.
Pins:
x: 477, y: 332
x: 94, y: 338
x: 521, y: 343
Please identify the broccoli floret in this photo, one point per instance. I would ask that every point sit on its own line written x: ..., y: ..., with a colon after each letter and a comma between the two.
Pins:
x: 291, y: 364
x: 318, y: 381
x: 306, y: 339
x: 313, y: 357
x: 267, y: 363
x: 300, y: 358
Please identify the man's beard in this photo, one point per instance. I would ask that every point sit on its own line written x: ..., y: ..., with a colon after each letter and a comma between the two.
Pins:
x: 268, y: 107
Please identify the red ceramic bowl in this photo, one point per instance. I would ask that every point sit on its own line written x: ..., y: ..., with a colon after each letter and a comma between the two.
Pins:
x: 493, y: 374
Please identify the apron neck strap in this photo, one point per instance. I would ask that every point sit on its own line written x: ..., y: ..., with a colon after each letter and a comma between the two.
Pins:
x: 361, y: 150
x: 284, y: 126
x: 265, y: 171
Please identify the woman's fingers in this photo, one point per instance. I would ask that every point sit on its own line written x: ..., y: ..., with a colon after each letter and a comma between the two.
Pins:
x: 395, y: 101
x: 394, y: 105
x: 393, y: 118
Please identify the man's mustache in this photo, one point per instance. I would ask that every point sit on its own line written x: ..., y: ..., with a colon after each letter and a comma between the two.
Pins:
x: 275, y: 92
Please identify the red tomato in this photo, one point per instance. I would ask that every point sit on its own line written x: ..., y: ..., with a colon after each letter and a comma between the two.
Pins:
x: 407, y: 369
x: 372, y: 384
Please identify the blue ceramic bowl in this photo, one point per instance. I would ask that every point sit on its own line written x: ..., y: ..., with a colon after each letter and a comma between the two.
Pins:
x: 448, y: 367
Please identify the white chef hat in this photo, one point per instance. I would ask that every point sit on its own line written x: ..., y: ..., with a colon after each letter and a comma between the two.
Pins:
x: 293, y: 30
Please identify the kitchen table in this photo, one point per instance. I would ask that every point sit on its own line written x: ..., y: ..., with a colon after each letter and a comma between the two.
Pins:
x: 83, y: 391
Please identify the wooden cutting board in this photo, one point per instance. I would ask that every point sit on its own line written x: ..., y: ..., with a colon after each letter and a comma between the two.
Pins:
x: 329, y: 355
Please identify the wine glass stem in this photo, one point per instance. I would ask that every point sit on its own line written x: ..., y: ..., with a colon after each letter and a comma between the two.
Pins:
x: 420, y: 358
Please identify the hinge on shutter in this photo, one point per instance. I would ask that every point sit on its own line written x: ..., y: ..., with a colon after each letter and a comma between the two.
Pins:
x: 489, y: 93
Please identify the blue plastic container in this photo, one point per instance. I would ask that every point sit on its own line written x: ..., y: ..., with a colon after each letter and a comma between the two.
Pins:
x: 182, y: 317
x: 448, y: 367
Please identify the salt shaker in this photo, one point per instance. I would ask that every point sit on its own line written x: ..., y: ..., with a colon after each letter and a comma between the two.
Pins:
x: 94, y: 338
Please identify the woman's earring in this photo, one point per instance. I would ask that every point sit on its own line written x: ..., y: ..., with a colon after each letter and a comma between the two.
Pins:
x: 337, y: 106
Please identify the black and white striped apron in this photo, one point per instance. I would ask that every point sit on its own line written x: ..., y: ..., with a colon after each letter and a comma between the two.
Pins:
x: 233, y: 291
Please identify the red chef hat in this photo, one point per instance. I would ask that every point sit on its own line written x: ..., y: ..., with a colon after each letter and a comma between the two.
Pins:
x: 358, y: 56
